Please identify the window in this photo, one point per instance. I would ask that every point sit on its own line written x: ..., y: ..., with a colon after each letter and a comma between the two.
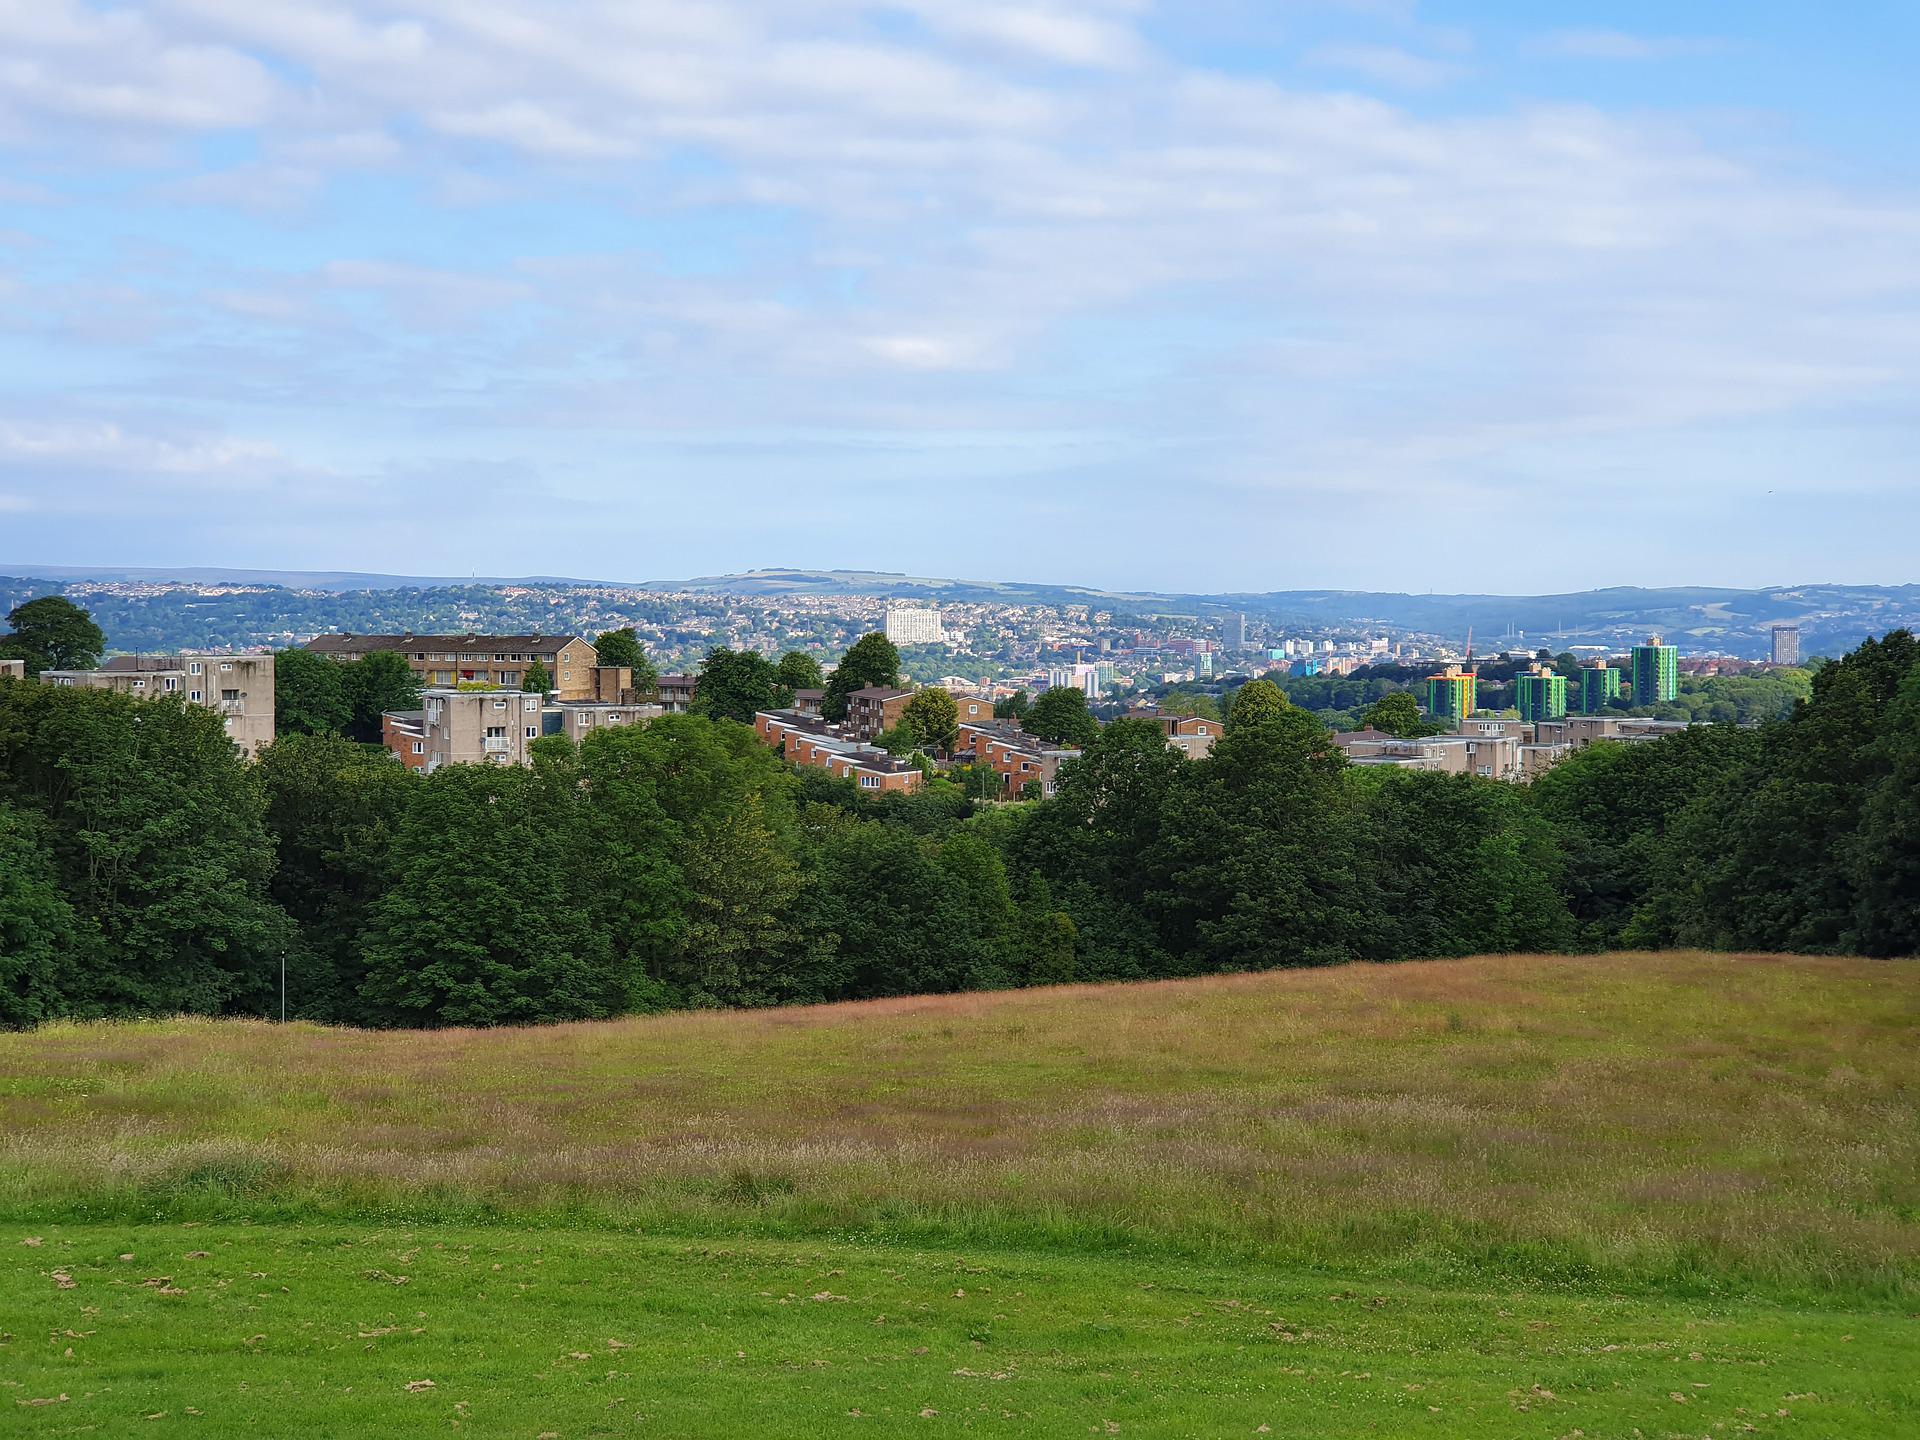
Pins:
x: 226, y: 664
x: 194, y: 668
x: 197, y: 694
x: 230, y: 697
x: 139, y: 684
x: 499, y: 704
x: 533, y: 732
x: 419, y: 747
x: 172, y: 683
x: 533, y: 702
x: 496, y: 732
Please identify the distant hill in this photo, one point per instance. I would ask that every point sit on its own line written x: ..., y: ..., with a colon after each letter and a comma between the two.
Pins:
x: 1833, y: 617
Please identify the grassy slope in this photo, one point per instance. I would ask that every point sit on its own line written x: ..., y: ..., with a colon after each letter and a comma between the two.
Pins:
x: 1570, y: 1174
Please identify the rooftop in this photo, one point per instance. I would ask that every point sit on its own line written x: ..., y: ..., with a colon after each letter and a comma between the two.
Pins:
x: 341, y: 644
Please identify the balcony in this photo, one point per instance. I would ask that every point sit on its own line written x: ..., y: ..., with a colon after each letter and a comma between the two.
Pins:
x: 496, y: 745
x: 232, y: 707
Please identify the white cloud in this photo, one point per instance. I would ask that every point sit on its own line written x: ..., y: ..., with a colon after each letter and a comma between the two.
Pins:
x: 1387, y: 64
x: 1619, y: 45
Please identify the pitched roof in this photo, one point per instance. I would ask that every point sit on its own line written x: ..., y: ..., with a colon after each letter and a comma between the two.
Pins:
x: 878, y: 692
x: 350, y: 644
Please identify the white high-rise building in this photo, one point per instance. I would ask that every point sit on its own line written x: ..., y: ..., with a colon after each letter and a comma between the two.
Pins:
x: 915, y: 625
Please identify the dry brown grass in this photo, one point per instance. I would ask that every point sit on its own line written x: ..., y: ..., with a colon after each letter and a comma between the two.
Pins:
x: 1676, y: 1113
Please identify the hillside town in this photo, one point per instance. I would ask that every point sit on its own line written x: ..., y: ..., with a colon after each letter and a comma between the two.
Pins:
x: 488, y: 699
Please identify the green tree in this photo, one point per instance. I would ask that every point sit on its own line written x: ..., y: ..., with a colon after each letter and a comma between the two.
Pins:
x: 483, y: 924
x: 334, y: 810
x: 52, y: 633
x: 734, y: 684
x: 1014, y: 707
x: 1196, y: 703
x: 1255, y: 864
x: 1457, y: 865
x: 377, y: 683
x: 1395, y: 714
x: 871, y: 660
x: 1768, y: 860
x: 622, y: 648
x: 1611, y: 806
x: 800, y: 671
x: 1885, y: 854
x: 1255, y: 703
x: 44, y: 946
x: 743, y: 944
x: 310, y: 694
x: 1061, y: 716
x: 934, y: 717
x: 156, y: 830
x: 538, y: 680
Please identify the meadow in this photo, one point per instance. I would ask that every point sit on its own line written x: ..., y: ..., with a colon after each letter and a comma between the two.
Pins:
x: 1674, y: 1193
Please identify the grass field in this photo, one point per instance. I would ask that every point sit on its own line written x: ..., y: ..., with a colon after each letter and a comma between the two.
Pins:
x: 1681, y: 1193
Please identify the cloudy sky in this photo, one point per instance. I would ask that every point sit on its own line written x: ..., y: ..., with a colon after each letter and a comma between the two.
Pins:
x: 1199, y: 294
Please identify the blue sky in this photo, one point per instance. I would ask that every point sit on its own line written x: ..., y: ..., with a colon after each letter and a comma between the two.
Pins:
x: 1223, y: 294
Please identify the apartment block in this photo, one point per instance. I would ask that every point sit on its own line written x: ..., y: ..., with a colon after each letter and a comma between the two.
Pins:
x: 675, y: 693
x: 13, y: 669
x: 1451, y: 694
x: 807, y: 740
x: 1599, y: 687
x: 479, y: 727
x: 239, y: 688
x: 404, y: 733
x: 875, y: 709
x: 1018, y: 758
x: 443, y: 661
x: 914, y: 625
x: 1655, y: 671
x: 577, y: 719
x: 1786, y: 644
x: 1540, y: 693
x: 1192, y: 735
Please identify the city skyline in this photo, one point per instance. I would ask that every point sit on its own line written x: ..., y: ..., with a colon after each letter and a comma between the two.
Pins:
x: 1204, y: 298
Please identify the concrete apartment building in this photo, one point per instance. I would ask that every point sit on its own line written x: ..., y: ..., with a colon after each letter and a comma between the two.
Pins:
x: 238, y: 688
x: 13, y: 669
x: 443, y: 661
x: 479, y: 727
x: 1786, y: 644
x: 914, y: 625
x: 577, y: 719
x: 675, y: 693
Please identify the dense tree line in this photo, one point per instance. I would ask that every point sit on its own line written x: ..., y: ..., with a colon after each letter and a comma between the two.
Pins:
x: 145, y: 868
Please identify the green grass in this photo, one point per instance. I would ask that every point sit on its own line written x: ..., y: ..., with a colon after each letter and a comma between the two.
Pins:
x: 320, y: 1329
x: 1515, y: 1172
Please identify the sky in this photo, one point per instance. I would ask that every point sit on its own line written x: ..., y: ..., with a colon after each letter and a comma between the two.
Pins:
x: 1201, y: 295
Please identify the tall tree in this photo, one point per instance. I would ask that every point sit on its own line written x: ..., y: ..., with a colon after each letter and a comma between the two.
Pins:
x: 934, y: 717
x: 483, y: 923
x: 1013, y: 707
x: 1257, y: 702
x: 538, y: 680
x: 43, y: 945
x: 622, y: 648
x: 1061, y: 716
x: 1885, y: 853
x: 734, y: 684
x: 1255, y: 863
x: 52, y: 633
x: 378, y: 683
x: 871, y: 660
x: 310, y: 694
x: 334, y: 810
x: 800, y: 671
x: 743, y: 944
x: 1395, y: 714
x: 156, y: 829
